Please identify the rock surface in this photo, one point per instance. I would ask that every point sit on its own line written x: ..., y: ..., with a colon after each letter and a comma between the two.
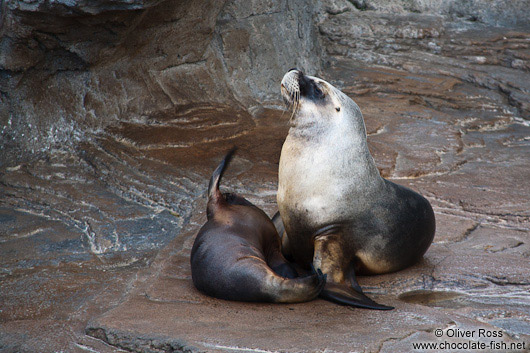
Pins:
x: 70, y: 69
x: 129, y: 114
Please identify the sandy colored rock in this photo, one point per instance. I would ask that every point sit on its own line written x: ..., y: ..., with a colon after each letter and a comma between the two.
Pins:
x: 70, y: 69
x: 134, y: 109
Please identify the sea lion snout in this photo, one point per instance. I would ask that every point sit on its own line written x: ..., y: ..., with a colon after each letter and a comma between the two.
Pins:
x: 295, y: 82
x: 308, y: 87
x: 290, y: 87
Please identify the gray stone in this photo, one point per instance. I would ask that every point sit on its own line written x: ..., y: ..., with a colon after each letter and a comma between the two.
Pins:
x: 114, y: 113
x: 496, y: 13
x: 69, y: 69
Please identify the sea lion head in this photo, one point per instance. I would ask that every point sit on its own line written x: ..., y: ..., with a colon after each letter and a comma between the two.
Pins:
x: 315, y: 101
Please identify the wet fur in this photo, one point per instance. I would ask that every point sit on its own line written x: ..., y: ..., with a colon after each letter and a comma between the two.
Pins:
x: 236, y: 254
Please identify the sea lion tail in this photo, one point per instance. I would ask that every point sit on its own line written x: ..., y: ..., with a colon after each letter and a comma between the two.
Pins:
x: 213, y: 187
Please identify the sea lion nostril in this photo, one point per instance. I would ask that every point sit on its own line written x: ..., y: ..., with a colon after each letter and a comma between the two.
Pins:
x: 308, y: 87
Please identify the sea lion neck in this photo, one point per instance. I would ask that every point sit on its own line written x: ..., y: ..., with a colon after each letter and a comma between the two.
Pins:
x: 314, y: 125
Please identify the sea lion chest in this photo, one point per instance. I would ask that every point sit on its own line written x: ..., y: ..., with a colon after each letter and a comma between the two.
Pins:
x: 319, y: 176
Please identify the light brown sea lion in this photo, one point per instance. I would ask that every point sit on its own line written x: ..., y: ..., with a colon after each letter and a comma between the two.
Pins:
x: 237, y: 256
x: 339, y: 214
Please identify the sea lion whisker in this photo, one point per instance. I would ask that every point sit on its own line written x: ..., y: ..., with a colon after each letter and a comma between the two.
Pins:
x: 296, y: 104
x: 293, y: 107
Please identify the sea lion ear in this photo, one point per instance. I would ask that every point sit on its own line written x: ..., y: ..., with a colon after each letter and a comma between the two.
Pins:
x: 337, y: 109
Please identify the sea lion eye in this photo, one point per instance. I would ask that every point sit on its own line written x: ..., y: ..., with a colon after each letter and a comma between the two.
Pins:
x: 337, y: 109
x: 319, y: 93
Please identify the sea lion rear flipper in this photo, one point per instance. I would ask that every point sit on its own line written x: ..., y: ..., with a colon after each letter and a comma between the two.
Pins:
x: 213, y: 186
x: 341, y: 286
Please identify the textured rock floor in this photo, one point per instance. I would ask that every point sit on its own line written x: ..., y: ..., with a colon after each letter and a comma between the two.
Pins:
x: 94, y: 244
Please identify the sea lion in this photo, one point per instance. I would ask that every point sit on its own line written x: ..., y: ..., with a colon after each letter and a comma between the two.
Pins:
x: 338, y: 212
x: 236, y: 254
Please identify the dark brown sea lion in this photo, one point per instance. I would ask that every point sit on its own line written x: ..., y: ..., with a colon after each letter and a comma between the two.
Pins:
x: 237, y: 256
x: 338, y: 213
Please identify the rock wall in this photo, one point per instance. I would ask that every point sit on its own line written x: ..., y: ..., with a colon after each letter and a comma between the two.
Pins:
x: 459, y: 39
x: 68, y: 68
x: 95, y: 240
x: 489, y: 12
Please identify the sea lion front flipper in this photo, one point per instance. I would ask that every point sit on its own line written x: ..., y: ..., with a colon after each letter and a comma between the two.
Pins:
x: 344, y: 295
x: 278, y: 224
x: 280, y: 228
x: 341, y: 286
x: 353, y: 280
x: 280, y: 265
